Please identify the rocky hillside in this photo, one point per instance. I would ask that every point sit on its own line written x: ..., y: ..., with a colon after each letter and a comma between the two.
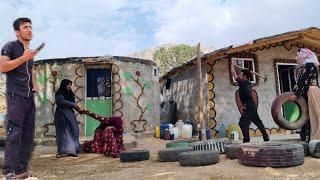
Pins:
x: 148, y: 53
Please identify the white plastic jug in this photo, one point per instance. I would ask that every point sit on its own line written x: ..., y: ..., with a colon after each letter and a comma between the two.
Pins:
x: 171, y: 130
x: 175, y: 132
x: 187, y: 131
x: 170, y: 126
x: 235, y: 135
x: 179, y: 125
x: 183, y: 131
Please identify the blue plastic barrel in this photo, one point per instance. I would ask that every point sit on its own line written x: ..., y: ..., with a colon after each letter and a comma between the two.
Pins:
x: 208, y: 134
x: 163, y: 126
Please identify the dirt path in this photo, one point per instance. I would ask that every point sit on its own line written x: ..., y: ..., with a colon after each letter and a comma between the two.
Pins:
x: 94, y: 166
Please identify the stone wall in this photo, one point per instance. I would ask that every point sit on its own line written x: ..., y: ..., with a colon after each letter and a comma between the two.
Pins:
x: 183, y: 91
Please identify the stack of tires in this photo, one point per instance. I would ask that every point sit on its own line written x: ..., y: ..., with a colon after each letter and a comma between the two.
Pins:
x: 190, y: 153
x: 231, y: 150
x: 295, y: 141
x: 271, y: 154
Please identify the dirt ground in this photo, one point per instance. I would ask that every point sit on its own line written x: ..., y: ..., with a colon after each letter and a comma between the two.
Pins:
x: 94, y: 166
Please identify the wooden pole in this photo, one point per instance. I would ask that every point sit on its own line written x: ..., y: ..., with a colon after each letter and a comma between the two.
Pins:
x: 200, y: 95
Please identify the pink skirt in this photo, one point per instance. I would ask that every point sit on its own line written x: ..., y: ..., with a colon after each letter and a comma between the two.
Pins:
x: 314, y: 111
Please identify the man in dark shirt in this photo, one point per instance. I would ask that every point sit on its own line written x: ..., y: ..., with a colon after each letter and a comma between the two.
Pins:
x: 16, y: 61
x: 250, y: 113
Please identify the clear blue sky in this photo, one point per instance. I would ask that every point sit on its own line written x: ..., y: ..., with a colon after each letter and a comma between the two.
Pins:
x: 121, y: 27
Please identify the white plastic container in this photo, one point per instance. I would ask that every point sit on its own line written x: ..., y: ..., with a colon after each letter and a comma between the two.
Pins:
x: 234, y: 135
x: 171, y: 131
x: 187, y: 131
x: 183, y: 131
x: 179, y: 125
x: 171, y: 126
x: 175, y: 132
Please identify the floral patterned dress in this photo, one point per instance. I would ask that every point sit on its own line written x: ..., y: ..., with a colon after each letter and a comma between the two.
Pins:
x: 108, y: 136
x: 305, y: 76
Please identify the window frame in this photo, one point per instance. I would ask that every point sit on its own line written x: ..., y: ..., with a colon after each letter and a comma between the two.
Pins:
x: 244, y: 55
x: 234, y: 59
x: 86, y: 76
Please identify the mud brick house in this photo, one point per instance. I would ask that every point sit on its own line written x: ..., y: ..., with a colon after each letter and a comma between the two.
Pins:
x: 107, y: 85
x: 271, y: 56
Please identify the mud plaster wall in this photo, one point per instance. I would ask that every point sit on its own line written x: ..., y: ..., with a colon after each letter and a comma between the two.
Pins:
x: 50, y: 81
x: 149, y: 100
x: 49, y: 77
x: 183, y: 90
x: 226, y: 108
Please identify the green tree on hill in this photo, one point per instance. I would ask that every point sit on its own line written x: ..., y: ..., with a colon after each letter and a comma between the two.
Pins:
x: 168, y: 58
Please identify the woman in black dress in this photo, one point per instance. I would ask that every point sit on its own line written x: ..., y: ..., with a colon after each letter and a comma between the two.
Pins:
x: 67, y: 130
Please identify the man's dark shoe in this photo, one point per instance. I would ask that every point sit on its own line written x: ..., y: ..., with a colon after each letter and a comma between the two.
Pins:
x: 266, y: 139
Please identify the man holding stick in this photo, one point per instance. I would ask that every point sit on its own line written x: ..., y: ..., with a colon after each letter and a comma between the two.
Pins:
x: 250, y: 113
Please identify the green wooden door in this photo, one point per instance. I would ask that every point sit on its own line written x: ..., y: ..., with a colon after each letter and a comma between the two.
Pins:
x: 99, y: 101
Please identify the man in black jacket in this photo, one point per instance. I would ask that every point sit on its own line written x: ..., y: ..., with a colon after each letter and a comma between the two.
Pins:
x: 16, y: 61
x: 250, y: 113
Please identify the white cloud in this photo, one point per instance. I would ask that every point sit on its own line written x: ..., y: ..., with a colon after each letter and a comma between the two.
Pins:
x: 73, y: 27
x: 222, y: 23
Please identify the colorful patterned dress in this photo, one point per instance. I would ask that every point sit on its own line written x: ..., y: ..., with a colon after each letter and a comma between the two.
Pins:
x: 108, y: 136
x: 305, y: 76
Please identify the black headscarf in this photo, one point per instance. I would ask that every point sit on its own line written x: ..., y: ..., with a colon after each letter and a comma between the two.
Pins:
x: 67, y: 94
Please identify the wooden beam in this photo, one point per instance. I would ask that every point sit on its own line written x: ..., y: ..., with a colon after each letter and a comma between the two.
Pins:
x: 261, y: 43
x: 200, y: 95
x: 311, y: 37
x: 313, y: 42
x: 295, y: 40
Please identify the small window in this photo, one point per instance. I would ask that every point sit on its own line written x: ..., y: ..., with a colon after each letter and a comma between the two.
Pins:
x: 246, y: 63
x: 168, y: 83
x: 98, y: 83
x: 154, y: 71
x: 155, y: 74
